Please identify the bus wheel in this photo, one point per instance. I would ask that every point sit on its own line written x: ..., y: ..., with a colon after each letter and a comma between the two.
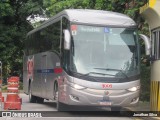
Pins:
x: 40, y: 100
x: 60, y: 106
x: 32, y: 99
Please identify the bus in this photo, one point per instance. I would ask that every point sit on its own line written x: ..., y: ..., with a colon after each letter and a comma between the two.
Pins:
x: 82, y: 57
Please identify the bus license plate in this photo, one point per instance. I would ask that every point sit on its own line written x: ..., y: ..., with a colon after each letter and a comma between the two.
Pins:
x: 107, y: 103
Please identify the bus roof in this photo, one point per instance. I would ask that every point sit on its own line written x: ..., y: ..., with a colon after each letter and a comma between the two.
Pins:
x: 95, y: 17
x: 98, y: 17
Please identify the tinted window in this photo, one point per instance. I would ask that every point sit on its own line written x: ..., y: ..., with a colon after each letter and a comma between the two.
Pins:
x: 45, y: 39
x: 50, y: 38
x: 65, y: 53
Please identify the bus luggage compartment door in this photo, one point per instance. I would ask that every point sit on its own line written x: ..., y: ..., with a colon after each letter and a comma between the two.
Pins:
x: 44, y: 74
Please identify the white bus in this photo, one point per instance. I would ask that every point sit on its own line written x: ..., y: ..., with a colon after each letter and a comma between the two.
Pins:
x: 83, y: 57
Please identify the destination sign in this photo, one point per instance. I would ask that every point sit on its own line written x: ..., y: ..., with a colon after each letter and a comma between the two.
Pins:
x: 89, y: 29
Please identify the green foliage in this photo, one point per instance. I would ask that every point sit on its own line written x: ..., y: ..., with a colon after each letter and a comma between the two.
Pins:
x: 4, y: 88
x: 13, y: 29
x: 20, y: 86
x: 5, y: 8
x: 55, y: 6
x: 145, y: 83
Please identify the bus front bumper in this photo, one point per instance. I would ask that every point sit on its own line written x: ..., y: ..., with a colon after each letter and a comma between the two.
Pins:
x: 83, y: 98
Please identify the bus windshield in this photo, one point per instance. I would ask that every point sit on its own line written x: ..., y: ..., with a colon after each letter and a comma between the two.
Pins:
x: 104, y: 51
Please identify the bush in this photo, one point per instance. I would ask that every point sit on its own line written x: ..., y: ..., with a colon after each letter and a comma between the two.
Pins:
x: 145, y: 83
x: 20, y: 86
x: 4, y: 88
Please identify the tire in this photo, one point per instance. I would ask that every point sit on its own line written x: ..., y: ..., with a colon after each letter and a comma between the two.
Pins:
x: 60, y: 106
x: 40, y: 100
x: 32, y: 98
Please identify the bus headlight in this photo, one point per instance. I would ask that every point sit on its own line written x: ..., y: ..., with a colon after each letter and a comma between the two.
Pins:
x: 78, y: 87
x: 133, y: 89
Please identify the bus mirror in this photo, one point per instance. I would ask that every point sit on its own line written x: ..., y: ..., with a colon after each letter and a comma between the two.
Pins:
x: 147, y: 43
x: 67, y: 39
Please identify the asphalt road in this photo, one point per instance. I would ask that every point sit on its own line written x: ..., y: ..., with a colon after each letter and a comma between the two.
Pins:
x: 49, y: 112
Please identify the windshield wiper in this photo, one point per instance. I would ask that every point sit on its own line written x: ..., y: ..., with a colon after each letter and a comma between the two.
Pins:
x: 110, y: 69
x: 87, y: 74
x: 82, y: 75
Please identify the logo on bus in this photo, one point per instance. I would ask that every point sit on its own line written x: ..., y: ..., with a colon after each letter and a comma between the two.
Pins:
x: 30, y: 65
x: 106, y: 85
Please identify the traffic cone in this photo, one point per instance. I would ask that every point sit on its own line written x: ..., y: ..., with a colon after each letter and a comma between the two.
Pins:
x: 13, y: 101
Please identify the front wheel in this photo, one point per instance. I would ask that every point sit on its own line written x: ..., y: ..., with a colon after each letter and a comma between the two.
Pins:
x: 40, y: 100
x: 60, y: 106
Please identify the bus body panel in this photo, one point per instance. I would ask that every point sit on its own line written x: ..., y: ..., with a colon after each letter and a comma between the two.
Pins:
x: 118, y: 95
x: 25, y: 81
x: 105, y: 85
x: 42, y: 79
x: 93, y: 100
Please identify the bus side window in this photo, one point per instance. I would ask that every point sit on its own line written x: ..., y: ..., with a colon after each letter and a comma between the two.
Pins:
x: 49, y: 38
x: 55, y: 35
x: 64, y: 53
x: 65, y: 25
x: 30, y: 45
x: 26, y: 52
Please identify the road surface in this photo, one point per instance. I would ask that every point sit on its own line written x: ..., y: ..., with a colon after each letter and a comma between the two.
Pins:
x: 49, y: 112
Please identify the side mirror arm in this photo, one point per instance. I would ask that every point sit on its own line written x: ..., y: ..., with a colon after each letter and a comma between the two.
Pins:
x: 67, y: 39
x: 147, y: 43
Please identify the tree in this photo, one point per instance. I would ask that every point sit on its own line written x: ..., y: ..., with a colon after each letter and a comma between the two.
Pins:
x: 13, y: 29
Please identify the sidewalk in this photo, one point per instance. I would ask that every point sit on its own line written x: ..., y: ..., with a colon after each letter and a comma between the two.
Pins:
x: 143, y: 106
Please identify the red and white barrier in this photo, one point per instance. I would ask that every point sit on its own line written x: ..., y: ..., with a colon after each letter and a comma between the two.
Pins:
x: 13, y: 101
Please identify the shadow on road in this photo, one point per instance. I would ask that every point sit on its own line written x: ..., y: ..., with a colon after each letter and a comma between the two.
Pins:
x: 86, y: 111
